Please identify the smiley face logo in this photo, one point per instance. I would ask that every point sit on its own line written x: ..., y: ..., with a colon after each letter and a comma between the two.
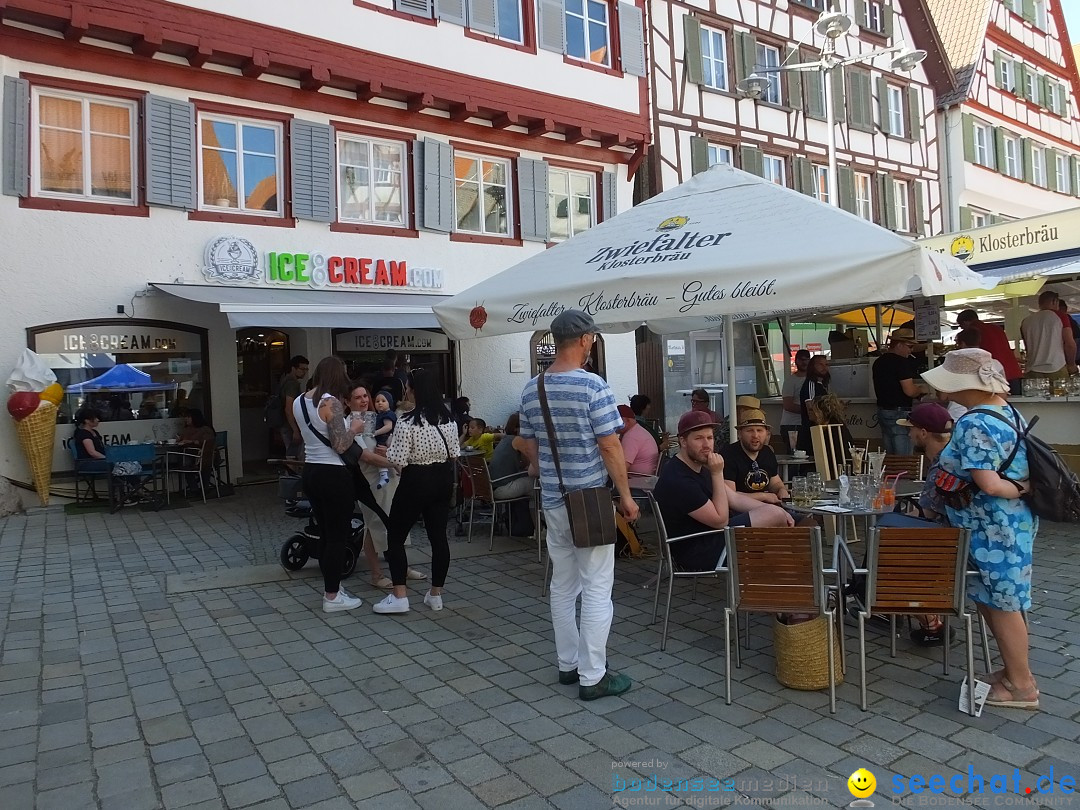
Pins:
x: 962, y: 248
x: 861, y: 784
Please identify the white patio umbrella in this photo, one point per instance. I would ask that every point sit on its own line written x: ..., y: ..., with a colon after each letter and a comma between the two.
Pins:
x: 723, y: 243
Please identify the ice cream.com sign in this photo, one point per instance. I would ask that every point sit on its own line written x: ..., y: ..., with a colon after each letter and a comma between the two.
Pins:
x: 232, y: 259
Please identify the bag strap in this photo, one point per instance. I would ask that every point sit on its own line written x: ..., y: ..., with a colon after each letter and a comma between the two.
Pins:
x: 438, y: 429
x: 1021, y: 432
x: 307, y: 418
x: 550, y: 428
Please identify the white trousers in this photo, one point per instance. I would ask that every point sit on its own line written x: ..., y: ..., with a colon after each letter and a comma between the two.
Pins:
x: 590, y: 573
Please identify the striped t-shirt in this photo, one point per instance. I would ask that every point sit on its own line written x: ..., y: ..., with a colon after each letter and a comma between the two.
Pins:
x: 582, y: 410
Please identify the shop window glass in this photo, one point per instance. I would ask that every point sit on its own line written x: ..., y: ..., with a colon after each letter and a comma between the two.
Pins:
x: 371, y: 181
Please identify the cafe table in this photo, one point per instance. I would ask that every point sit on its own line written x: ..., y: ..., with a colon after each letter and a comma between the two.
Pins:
x: 785, y: 462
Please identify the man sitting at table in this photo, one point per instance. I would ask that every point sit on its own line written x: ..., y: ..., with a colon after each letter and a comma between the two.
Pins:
x: 638, y: 445
x: 693, y: 497
x: 750, y: 464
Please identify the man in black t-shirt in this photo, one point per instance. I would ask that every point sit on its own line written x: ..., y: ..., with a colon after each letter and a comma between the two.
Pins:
x: 895, y: 388
x: 750, y: 464
x: 693, y: 497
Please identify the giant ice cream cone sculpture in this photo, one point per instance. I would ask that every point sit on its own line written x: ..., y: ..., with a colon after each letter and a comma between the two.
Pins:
x: 32, y: 404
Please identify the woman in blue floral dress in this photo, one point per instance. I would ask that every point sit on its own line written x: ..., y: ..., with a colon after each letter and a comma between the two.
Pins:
x: 1002, y: 525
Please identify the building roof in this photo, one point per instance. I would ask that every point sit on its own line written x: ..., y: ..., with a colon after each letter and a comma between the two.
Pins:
x: 962, y: 27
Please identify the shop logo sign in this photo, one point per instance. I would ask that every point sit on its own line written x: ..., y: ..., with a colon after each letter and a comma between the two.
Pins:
x: 231, y: 258
x: 962, y: 248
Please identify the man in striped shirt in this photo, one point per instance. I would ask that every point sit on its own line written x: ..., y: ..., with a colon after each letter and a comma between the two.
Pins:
x: 585, y: 422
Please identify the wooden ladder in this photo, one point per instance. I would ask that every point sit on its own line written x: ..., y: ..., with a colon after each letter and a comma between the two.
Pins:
x: 764, y: 360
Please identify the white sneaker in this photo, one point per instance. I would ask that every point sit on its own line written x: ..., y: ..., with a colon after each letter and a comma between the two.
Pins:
x: 433, y: 601
x: 343, y: 601
x: 391, y: 604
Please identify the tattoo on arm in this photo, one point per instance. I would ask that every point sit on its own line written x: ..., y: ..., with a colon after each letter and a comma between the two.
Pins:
x: 340, y: 436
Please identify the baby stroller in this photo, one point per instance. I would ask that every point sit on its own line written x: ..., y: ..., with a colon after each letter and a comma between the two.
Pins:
x: 306, y: 544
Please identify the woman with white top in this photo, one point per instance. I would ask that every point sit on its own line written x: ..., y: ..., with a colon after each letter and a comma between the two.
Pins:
x: 328, y: 483
x: 424, y: 444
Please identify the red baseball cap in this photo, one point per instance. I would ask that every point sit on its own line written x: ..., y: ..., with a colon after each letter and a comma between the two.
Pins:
x: 626, y: 412
x: 692, y: 420
x: 929, y: 416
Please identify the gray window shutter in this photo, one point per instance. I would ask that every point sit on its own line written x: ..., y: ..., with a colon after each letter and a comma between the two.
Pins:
x: 802, y: 171
x: 437, y: 211
x: 551, y: 21
x: 631, y: 39
x: 999, y: 150
x: 860, y: 13
x: 794, y: 81
x: 814, y: 96
x: 918, y: 227
x: 417, y: 207
x: 532, y: 177
x: 692, y: 64
x: 452, y: 11
x: 836, y: 76
x: 16, y: 137
x: 1074, y: 175
x: 965, y: 218
x: 418, y: 8
x: 1046, y: 91
x: 752, y: 160
x: 1063, y: 102
x: 699, y: 154
x: 1025, y: 149
x: 170, y: 152
x: 745, y: 54
x: 999, y: 69
x: 482, y: 16
x: 1028, y: 11
x: 883, y: 105
x: 1050, y: 157
x: 311, y: 158
x: 611, y: 195
x: 888, y: 20
x: 886, y: 200
x: 968, y: 126
x: 845, y: 184
x: 914, y: 112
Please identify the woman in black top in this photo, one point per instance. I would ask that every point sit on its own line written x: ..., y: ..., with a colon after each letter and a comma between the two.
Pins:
x: 816, y: 385
x: 89, y: 446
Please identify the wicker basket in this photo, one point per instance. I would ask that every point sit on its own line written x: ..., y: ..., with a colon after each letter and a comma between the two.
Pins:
x: 802, y: 660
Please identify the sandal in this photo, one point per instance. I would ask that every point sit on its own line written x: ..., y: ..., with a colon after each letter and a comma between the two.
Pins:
x: 1006, y: 696
x: 412, y: 573
x: 383, y: 582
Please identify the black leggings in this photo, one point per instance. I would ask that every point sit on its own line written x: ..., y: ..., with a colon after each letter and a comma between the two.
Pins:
x: 425, y: 489
x: 330, y: 489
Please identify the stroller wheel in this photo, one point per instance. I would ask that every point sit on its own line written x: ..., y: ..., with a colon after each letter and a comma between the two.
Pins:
x: 294, y: 554
x: 348, y: 560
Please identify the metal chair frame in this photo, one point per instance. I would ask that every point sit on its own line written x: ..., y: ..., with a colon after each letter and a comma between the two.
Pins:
x: 183, y: 470
x: 121, y: 487
x: 770, y: 571
x: 483, y: 489
x: 89, y: 477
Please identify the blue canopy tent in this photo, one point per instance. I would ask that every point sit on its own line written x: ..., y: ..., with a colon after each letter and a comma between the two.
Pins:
x: 122, y: 377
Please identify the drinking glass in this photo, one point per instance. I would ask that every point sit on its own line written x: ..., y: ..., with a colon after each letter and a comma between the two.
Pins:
x: 815, y: 486
x: 1029, y: 388
x: 888, y: 496
x: 799, y: 492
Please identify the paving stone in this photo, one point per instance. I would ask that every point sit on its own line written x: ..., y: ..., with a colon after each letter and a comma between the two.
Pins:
x: 190, y: 792
x: 247, y: 794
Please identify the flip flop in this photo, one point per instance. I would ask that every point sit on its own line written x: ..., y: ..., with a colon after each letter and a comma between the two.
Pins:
x: 412, y: 573
x: 384, y: 582
x: 1006, y: 696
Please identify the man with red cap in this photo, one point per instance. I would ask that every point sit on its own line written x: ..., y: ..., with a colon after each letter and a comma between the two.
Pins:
x: 638, y: 445
x: 693, y: 497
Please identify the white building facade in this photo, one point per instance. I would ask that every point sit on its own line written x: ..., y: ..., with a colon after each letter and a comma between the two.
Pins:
x: 202, y: 189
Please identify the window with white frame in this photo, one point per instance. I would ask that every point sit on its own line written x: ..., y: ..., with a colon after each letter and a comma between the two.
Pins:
x: 1011, y: 146
x: 902, y: 196
x: 571, y: 202
x: 984, y: 145
x: 1052, y: 98
x: 719, y: 154
x: 482, y: 194
x: 1013, y: 5
x: 864, y: 200
x: 1040, y: 14
x: 714, y: 59
x: 896, y: 111
x: 768, y: 62
x: 371, y: 180
x: 588, y: 31
x: 772, y: 169
x: 979, y: 219
x: 84, y: 147
x: 1061, y: 171
x: 1031, y: 84
x: 240, y: 167
x: 875, y: 15
x: 1038, y: 166
x: 821, y: 183
x: 1007, y: 75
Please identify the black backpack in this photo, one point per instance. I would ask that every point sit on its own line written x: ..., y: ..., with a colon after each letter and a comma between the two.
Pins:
x: 1055, y: 490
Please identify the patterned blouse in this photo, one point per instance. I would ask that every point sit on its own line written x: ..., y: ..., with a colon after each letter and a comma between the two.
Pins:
x: 422, y: 443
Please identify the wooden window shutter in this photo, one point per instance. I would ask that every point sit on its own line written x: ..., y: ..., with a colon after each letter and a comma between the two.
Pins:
x: 887, y: 200
x: 862, y: 99
x: 914, y: 112
x: 610, y: 195
x: 631, y: 39
x: 918, y: 227
x: 883, y: 105
x: 1074, y: 175
x: 311, y: 170
x: 451, y: 11
x: 803, y: 175
x: 999, y: 69
x: 1028, y: 11
x: 794, y: 81
x: 968, y: 125
x: 482, y: 16
x: 814, y: 97
x: 692, y: 64
x: 699, y: 154
x: 965, y: 218
x: 1025, y: 150
x: 16, y: 137
x: 418, y: 8
x: 1046, y: 91
x: 551, y: 24
x: 752, y: 160
x: 836, y: 76
x: 532, y: 178
x: 999, y: 150
x: 845, y: 184
x: 1063, y: 102
x: 745, y: 54
x: 888, y: 20
x: 1050, y: 157
x: 169, y: 138
x: 436, y: 206
x: 860, y: 13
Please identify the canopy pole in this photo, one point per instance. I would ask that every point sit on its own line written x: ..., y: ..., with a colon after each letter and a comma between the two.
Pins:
x: 877, y: 314
x: 729, y: 375
x: 784, y: 322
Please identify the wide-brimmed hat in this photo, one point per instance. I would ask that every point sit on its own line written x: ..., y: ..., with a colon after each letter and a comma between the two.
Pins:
x: 968, y: 370
x: 747, y: 401
x: 903, y: 335
x: 753, y: 418
x: 692, y: 420
x: 929, y: 416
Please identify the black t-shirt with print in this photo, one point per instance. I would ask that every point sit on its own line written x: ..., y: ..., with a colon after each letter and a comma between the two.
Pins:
x: 749, y: 475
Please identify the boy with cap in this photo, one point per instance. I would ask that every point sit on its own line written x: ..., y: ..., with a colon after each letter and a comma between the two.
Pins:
x: 585, y: 424
x: 693, y: 497
x: 750, y: 464
x: 639, y: 447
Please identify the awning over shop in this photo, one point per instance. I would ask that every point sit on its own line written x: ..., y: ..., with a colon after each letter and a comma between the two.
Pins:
x: 1047, y: 268
x: 329, y: 309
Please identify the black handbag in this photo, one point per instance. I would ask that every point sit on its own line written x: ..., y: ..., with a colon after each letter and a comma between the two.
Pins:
x: 591, y: 510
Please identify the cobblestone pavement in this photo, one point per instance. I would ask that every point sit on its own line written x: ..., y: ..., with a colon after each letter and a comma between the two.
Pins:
x: 137, y: 670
